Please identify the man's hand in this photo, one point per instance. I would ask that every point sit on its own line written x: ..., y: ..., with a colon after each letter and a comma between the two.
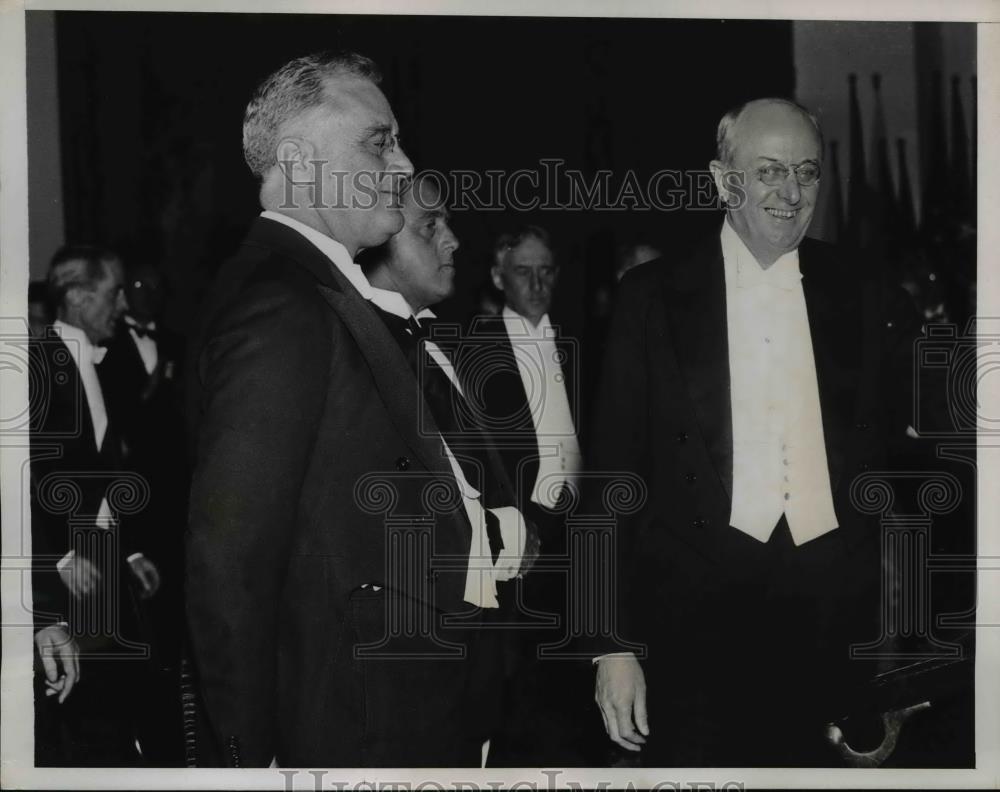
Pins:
x: 80, y: 576
x: 147, y: 574
x: 532, y: 547
x: 620, y: 692
x: 58, y: 651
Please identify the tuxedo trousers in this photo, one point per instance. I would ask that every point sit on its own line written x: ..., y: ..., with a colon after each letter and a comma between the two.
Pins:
x: 747, y: 664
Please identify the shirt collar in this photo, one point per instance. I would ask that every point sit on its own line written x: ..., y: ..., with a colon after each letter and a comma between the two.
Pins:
x: 395, y: 303
x: 391, y: 302
x: 131, y: 322
x: 78, y: 344
x: 518, y: 325
x: 744, y: 271
x: 330, y: 248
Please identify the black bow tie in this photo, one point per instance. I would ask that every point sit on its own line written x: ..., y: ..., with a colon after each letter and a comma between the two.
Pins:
x: 143, y: 332
x: 417, y: 329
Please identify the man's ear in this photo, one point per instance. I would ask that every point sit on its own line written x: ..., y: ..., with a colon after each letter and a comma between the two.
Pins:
x: 719, y: 176
x: 295, y: 157
x: 495, y: 275
x: 75, y: 296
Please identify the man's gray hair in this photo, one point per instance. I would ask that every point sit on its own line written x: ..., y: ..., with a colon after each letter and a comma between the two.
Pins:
x: 511, y: 239
x: 725, y: 146
x: 76, y: 267
x: 294, y: 88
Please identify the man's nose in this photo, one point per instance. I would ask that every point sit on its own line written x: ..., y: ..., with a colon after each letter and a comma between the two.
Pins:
x: 399, y: 162
x: 449, y: 240
x: 789, y: 189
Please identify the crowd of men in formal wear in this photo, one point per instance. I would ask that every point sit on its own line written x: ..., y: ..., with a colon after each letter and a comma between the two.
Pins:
x: 391, y: 526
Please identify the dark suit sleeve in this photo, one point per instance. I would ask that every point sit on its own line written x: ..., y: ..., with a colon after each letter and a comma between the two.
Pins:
x: 264, y: 374
x: 620, y: 429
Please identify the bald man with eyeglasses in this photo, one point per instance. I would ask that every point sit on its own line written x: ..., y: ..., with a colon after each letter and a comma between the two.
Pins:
x: 752, y: 379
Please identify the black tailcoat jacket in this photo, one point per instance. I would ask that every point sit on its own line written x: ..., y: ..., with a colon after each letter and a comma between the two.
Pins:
x: 322, y: 504
x: 69, y: 479
x: 706, y: 603
x: 487, y: 365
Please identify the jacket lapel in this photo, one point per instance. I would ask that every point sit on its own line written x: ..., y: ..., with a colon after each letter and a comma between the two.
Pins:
x: 696, y: 308
x: 77, y: 408
x: 836, y: 329
x: 394, y: 380
x: 393, y: 377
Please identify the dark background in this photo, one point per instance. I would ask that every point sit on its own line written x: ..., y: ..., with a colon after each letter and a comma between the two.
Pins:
x: 151, y: 109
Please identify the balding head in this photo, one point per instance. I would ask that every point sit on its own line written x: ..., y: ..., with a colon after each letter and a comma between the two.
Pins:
x: 767, y: 173
x: 745, y: 120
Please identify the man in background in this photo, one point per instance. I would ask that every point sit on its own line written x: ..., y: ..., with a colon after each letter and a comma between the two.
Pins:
x: 413, y: 271
x: 522, y: 376
x: 141, y: 379
x: 86, y: 559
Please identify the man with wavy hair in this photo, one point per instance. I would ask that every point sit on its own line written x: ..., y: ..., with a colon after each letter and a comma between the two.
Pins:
x: 327, y: 541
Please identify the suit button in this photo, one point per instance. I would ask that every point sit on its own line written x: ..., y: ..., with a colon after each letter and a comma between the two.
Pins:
x: 402, y: 463
x: 699, y: 522
x: 862, y: 426
x: 682, y: 437
x: 690, y: 478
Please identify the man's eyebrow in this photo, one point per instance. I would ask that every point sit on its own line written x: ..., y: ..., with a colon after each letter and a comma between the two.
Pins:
x: 378, y: 129
x: 782, y: 162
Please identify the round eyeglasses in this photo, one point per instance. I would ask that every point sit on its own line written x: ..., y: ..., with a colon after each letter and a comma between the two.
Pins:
x: 774, y: 175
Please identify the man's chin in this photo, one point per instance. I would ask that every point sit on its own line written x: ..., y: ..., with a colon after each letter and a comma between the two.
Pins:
x: 392, y: 220
x: 389, y: 224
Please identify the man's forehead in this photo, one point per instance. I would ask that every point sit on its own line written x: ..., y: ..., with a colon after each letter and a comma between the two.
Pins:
x: 361, y: 98
x: 776, y: 132
x: 530, y: 250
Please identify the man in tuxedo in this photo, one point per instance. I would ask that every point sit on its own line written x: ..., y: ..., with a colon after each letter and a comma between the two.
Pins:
x: 522, y: 376
x: 332, y: 564
x: 413, y: 271
x: 748, y: 382
x: 85, y: 559
x: 141, y: 376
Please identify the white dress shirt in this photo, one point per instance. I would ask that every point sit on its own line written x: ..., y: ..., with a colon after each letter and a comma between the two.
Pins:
x: 779, y: 452
x: 537, y: 357
x: 144, y: 344
x: 86, y: 356
x: 482, y: 575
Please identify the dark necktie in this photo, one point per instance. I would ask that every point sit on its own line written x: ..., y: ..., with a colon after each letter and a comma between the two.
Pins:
x: 466, y: 442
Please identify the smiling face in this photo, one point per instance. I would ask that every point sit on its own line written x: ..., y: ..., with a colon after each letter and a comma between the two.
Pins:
x: 771, y: 221
x: 421, y: 262
x: 365, y: 169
